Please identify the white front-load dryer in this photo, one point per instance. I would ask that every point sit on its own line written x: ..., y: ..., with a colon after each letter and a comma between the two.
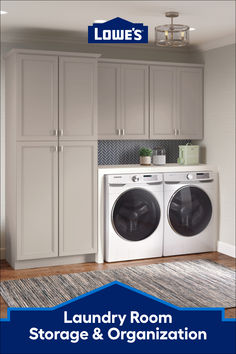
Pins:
x: 190, y: 221
x: 133, y: 213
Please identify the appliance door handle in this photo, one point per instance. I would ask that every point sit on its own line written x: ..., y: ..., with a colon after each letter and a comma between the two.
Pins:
x: 206, y: 181
x: 117, y: 184
x: 55, y: 132
x: 54, y: 148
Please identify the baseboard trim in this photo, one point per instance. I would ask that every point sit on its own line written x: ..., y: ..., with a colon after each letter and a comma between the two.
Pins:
x: 226, y: 248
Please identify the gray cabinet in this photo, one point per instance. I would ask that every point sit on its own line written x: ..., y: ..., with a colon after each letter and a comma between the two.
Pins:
x: 109, y: 101
x: 37, y: 97
x: 122, y: 101
x: 51, y: 128
x: 162, y: 102
x: 190, y: 103
x: 37, y: 200
x: 176, y: 95
x: 134, y: 101
x: 77, y: 197
x: 78, y: 98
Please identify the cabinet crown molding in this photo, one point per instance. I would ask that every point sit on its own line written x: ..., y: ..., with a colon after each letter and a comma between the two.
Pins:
x: 52, y: 52
x: 128, y: 61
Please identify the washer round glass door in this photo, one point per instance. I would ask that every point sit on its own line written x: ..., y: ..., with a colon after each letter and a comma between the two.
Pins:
x: 136, y: 214
x: 190, y: 211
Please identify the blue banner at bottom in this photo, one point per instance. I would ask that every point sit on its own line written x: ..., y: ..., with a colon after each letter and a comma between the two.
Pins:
x: 117, y: 318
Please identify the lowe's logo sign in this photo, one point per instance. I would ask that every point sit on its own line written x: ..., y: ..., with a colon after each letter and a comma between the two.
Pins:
x: 118, y: 31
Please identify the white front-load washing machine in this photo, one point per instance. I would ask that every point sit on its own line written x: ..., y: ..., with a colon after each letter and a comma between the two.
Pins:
x: 133, y: 213
x: 190, y: 221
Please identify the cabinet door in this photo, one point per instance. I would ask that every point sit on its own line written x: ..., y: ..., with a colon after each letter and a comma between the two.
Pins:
x: 134, y: 101
x: 162, y: 102
x: 77, y: 198
x: 78, y: 98
x: 108, y: 101
x: 37, y: 97
x: 190, y: 105
x: 37, y: 200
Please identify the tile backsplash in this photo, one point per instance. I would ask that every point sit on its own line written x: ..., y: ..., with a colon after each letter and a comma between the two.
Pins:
x: 121, y: 152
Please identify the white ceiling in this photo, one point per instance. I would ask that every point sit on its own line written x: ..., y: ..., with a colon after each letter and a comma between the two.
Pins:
x: 214, y: 20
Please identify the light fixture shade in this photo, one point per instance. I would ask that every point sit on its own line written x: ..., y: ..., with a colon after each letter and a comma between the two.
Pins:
x: 172, y: 35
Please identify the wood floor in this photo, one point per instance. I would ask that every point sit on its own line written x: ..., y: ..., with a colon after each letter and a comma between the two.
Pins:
x: 7, y: 273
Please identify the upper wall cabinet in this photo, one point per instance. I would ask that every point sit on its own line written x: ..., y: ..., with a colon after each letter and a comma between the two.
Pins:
x: 134, y: 101
x: 190, y: 103
x: 176, y: 110
x: 109, y: 100
x: 122, y: 101
x: 77, y: 98
x: 37, y: 97
x: 162, y: 102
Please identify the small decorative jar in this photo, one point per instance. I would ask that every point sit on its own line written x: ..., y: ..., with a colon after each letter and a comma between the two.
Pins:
x: 159, y: 156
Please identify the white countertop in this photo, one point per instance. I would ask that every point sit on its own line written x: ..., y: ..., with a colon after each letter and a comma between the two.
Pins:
x: 173, y: 167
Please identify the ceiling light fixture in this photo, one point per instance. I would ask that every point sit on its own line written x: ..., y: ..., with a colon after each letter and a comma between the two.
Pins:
x: 172, y: 35
x: 3, y: 12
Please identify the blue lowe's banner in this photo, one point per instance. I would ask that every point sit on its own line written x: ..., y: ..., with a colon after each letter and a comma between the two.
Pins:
x: 118, y: 30
x: 117, y: 319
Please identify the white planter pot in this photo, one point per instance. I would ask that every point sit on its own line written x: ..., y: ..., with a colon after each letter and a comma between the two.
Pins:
x: 145, y: 160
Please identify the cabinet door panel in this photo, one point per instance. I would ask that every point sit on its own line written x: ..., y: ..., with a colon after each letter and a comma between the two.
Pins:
x: 108, y: 100
x: 77, y: 198
x: 37, y: 200
x: 37, y: 97
x: 134, y: 102
x: 190, y: 105
x: 162, y: 102
x: 77, y: 98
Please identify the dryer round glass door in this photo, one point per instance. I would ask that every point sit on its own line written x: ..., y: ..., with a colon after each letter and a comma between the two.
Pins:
x: 190, y: 211
x: 136, y: 214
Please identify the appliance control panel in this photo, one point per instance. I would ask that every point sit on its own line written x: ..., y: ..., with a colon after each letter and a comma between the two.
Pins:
x: 203, y: 175
x: 190, y: 176
x: 134, y: 178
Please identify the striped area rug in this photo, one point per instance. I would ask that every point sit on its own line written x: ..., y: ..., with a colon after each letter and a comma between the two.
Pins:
x: 198, y: 283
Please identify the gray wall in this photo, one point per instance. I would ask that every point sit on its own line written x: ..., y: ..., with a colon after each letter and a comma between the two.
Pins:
x: 219, y: 132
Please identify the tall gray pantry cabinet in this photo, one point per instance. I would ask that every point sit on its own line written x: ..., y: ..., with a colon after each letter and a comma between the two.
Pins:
x: 51, y: 144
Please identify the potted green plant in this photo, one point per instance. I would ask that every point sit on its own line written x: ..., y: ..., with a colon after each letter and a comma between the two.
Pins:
x: 145, y: 156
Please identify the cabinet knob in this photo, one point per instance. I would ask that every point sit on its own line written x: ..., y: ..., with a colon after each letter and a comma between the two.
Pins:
x: 61, y: 132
